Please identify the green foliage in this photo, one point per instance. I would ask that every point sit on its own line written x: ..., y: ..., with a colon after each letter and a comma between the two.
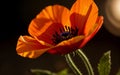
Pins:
x: 47, y: 72
x: 118, y: 73
x: 63, y: 72
x: 104, y: 65
x: 41, y: 72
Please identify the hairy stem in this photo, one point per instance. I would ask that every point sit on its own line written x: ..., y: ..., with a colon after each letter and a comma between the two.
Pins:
x: 72, y: 65
x: 86, y: 62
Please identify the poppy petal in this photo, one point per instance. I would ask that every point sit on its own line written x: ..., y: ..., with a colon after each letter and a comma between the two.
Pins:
x: 93, y: 30
x: 92, y: 17
x: 67, y: 45
x: 56, y: 13
x: 49, y: 21
x: 48, y: 34
x: 29, y: 47
x: 80, y: 12
x: 96, y: 26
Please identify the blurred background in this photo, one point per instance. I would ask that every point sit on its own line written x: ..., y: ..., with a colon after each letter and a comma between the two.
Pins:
x: 15, y: 18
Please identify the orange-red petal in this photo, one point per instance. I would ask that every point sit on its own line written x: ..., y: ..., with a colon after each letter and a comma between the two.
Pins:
x: 67, y: 46
x: 30, y: 47
x: 92, y: 17
x: 48, y: 34
x: 81, y: 13
x: 48, y: 21
x: 93, y: 30
x: 56, y: 13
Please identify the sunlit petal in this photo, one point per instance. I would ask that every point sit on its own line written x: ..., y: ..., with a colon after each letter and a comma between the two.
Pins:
x: 56, y: 13
x: 96, y: 26
x: 48, y: 21
x: 92, y: 17
x: 67, y: 45
x: 93, y: 30
x: 38, y: 26
x: 29, y: 47
x: 32, y: 54
x: 81, y: 13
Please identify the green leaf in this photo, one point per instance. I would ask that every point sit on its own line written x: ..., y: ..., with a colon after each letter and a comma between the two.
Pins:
x: 104, y: 65
x: 118, y: 73
x: 63, y: 72
x: 41, y: 72
x: 47, y: 72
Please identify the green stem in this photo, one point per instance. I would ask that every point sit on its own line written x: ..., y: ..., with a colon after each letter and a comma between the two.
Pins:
x: 72, y: 65
x: 86, y: 61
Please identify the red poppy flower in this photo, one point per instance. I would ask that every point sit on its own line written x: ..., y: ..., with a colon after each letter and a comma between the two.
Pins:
x: 58, y: 30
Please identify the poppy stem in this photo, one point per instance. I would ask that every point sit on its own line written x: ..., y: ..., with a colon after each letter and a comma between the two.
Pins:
x: 86, y: 62
x: 72, y: 65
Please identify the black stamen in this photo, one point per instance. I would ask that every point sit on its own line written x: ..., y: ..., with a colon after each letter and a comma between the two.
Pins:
x: 64, y: 35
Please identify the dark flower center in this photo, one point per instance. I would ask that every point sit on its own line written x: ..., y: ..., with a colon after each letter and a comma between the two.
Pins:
x: 64, y: 34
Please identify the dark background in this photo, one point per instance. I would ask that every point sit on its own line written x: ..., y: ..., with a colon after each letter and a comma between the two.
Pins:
x: 15, y: 18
